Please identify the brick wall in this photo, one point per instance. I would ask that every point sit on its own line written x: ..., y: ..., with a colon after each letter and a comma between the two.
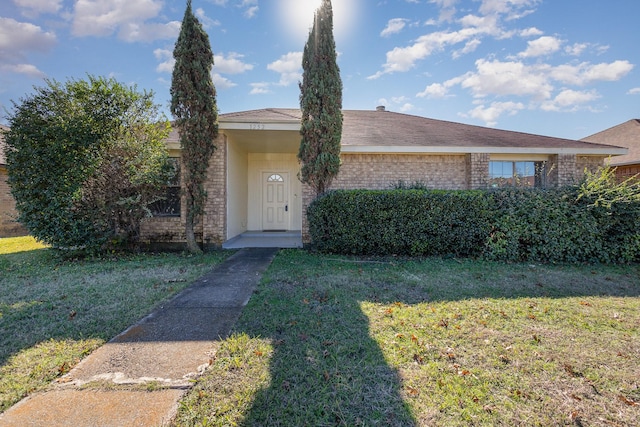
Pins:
x: 382, y: 171
x: 212, y: 228
x: 568, y: 169
x: 214, y: 221
x: 9, y: 227
x: 591, y: 163
x: 478, y: 170
x: 628, y: 171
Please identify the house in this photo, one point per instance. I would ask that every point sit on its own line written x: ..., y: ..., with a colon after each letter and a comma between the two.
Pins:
x: 9, y: 227
x: 253, y: 184
x: 627, y: 135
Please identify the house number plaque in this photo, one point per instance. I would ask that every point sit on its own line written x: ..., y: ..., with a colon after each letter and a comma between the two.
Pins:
x: 256, y: 126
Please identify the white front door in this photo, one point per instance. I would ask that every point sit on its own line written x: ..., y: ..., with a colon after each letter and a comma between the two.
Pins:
x: 275, y: 200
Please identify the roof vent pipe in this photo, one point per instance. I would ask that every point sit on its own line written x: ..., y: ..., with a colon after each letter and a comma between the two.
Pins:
x: 380, y: 108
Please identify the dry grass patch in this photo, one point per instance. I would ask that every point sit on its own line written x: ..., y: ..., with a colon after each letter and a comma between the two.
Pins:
x: 331, y: 341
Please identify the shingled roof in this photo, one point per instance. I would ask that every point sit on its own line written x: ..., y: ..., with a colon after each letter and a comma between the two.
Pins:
x: 408, y: 133
x: 627, y: 135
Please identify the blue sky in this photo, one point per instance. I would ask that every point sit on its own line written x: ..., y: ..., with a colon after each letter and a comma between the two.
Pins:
x: 551, y: 67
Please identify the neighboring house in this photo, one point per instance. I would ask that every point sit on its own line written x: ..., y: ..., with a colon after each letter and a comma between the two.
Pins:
x: 8, y: 225
x: 627, y: 135
x: 253, y: 180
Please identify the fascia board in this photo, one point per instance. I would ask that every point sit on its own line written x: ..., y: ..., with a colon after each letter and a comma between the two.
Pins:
x: 258, y: 126
x: 367, y: 149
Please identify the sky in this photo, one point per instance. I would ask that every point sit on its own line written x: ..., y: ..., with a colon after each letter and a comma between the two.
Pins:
x: 563, y: 68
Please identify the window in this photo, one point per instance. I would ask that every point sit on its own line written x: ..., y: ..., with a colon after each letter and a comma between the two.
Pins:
x: 275, y: 178
x: 170, y: 205
x: 517, y: 174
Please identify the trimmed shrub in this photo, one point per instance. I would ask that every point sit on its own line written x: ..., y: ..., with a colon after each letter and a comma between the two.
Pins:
x: 400, y: 222
x: 515, y: 225
x: 542, y: 225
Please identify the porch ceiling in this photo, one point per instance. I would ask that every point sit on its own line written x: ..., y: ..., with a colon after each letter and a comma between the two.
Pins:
x: 265, y: 141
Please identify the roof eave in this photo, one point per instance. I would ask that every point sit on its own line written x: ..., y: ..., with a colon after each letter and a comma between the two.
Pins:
x: 260, y: 125
x: 377, y: 149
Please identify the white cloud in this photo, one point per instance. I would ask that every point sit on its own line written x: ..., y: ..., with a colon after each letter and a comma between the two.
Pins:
x: 28, y: 70
x: 531, y: 32
x: 634, y: 91
x: 251, y: 8
x: 289, y: 67
x: 394, y: 26
x: 260, y: 88
x: 545, y: 45
x: 569, y: 100
x: 142, y: 32
x: 230, y: 64
x: 435, y: 90
x: 469, y: 47
x: 507, y: 78
x: 166, y: 56
x: 251, y: 12
x: 399, y: 99
x: 447, y: 9
x: 492, y: 113
x: 221, y: 82
x: 36, y: 7
x: 406, y: 107
x: 19, y: 38
x: 512, y: 9
x: 489, y: 22
x: 585, y: 73
x: 205, y: 20
x: 126, y: 18
x: 576, y: 49
x: 402, y: 59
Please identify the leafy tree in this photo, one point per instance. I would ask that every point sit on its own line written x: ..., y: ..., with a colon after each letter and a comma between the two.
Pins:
x: 321, y: 104
x: 193, y: 105
x: 85, y: 159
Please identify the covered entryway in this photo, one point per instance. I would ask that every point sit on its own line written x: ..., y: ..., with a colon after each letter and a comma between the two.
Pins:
x: 264, y: 194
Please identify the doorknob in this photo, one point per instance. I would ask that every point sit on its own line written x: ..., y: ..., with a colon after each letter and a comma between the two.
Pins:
x: 286, y: 208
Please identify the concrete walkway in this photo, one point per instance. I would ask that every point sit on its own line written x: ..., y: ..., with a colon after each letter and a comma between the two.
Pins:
x: 138, y: 377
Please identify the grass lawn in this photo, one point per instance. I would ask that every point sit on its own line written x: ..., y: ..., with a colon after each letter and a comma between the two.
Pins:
x: 333, y: 341
x: 55, y: 312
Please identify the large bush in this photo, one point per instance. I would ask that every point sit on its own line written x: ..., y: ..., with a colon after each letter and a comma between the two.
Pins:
x: 85, y: 159
x: 542, y: 225
x: 402, y: 222
x: 598, y: 221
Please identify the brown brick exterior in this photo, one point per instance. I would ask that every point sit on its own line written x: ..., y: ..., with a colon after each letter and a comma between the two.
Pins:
x: 382, y: 171
x: 478, y: 170
x: 370, y: 171
x: 9, y: 227
x: 215, y: 218
x: 627, y: 171
x: 211, y: 230
x: 568, y: 169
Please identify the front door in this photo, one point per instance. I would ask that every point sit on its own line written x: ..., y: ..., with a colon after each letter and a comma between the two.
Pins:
x: 275, y: 201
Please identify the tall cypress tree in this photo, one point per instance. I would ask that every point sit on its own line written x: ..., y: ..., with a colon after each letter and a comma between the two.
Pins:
x: 321, y: 104
x: 193, y: 105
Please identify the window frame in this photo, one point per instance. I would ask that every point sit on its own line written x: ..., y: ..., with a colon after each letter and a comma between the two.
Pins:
x: 519, y: 175
x: 171, y: 205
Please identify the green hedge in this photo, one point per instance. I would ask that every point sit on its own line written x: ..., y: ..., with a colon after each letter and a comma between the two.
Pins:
x: 402, y: 222
x: 506, y: 225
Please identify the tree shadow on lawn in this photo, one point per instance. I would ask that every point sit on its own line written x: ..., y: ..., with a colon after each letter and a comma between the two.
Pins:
x: 327, y: 369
